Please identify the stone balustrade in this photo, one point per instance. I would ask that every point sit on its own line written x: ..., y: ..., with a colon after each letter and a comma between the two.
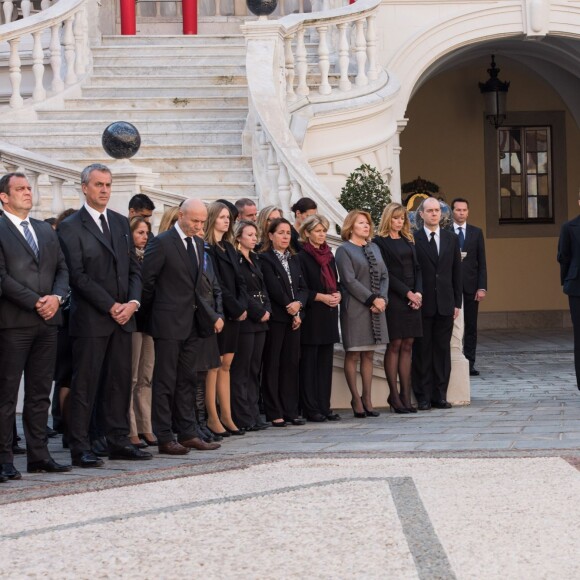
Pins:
x: 13, y: 9
x: 330, y: 53
x: 60, y: 34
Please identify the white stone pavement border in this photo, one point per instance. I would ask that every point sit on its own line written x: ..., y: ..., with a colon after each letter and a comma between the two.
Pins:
x: 327, y: 518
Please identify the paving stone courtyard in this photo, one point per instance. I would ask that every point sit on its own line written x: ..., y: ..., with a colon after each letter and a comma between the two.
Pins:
x: 483, y: 491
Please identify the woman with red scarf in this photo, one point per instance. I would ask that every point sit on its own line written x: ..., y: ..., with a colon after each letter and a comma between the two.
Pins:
x: 320, y: 325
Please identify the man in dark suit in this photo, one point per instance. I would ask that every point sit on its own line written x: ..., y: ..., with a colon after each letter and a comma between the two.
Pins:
x: 440, y: 259
x: 34, y: 279
x: 105, y: 285
x: 569, y: 258
x: 172, y: 270
x: 474, y: 274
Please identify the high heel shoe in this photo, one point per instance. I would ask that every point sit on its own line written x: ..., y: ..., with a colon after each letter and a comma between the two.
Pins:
x: 409, y: 407
x: 371, y: 413
x: 402, y: 410
x: 362, y: 415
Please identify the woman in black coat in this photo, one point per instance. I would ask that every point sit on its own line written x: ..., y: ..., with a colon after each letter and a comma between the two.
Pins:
x: 319, y: 330
x: 235, y: 303
x: 247, y: 363
x: 288, y: 296
x: 397, y: 246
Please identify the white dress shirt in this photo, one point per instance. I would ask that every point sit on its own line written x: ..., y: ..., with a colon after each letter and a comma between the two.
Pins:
x: 17, y: 221
x: 184, y: 238
x: 437, y: 236
x: 97, y: 216
x: 456, y: 227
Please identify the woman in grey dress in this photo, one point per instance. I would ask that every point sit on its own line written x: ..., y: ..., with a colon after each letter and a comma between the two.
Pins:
x: 364, y: 284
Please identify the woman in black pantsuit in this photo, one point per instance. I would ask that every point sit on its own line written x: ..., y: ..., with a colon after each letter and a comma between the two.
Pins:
x: 247, y: 363
x: 319, y: 330
x: 288, y: 295
x: 235, y: 303
x: 397, y: 246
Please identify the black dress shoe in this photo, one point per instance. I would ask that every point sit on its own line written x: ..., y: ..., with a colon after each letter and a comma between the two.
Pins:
x: 222, y: 434
x: 424, y: 406
x: 236, y: 431
x: 87, y: 459
x: 208, y: 436
x: 47, y: 466
x: 473, y: 372
x: 140, y: 445
x: 17, y: 450
x: 317, y: 418
x: 298, y: 421
x: 8, y: 471
x: 3, y: 479
x: 279, y: 424
x: 372, y: 413
x: 100, y: 447
x: 333, y: 417
x: 442, y: 404
x: 50, y: 432
x: 129, y: 453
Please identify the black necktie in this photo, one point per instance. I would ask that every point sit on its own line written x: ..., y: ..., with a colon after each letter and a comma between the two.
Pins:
x: 192, y: 255
x: 433, y: 244
x: 461, y: 239
x: 106, y: 230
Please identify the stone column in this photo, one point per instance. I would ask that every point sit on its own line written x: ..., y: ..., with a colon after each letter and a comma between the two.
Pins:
x: 128, y: 179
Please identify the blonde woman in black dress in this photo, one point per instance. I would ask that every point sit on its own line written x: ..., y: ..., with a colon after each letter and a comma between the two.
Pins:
x: 397, y: 246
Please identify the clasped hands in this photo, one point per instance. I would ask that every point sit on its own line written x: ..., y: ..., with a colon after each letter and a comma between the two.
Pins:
x: 332, y: 300
x: 415, y: 300
x: 379, y: 305
x: 121, y: 313
x: 293, y: 309
x: 47, y: 307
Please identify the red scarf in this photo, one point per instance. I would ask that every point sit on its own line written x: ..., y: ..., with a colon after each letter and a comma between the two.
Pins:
x: 323, y: 257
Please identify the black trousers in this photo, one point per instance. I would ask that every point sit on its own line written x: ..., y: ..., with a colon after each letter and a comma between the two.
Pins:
x: 432, y: 359
x: 245, y: 378
x: 280, y: 371
x: 173, y: 389
x: 315, y: 378
x: 470, y: 309
x: 574, y: 302
x: 101, y: 370
x: 32, y: 351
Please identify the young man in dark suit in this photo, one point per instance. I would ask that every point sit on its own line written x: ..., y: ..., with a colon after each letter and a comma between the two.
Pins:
x: 569, y: 258
x: 474, y: 272
x: 105, y: 282
x: 440, y: 259
x: 172, y: 270
x: 34, y: 279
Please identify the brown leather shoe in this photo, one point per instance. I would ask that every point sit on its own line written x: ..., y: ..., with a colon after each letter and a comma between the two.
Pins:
x: 173, y: 448
x: 197, y: 443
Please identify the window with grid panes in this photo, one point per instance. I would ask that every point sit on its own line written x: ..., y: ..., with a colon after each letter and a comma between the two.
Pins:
x: 525, y: 175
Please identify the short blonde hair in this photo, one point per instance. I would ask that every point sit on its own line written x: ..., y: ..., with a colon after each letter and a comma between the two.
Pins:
x: 348, y: 225
x: 312, y: 222
x: 394, y: 210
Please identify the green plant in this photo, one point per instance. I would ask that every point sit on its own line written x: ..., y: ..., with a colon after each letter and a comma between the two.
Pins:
x: 365, y: 189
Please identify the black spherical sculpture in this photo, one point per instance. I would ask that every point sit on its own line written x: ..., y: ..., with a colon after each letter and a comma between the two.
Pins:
x: 121, y: 140
x: 262, y: 7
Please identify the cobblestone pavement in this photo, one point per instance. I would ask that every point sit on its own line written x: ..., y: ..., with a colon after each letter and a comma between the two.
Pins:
x: 524, y: 403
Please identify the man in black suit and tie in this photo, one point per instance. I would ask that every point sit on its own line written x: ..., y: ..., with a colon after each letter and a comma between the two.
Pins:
x: 440, y: 259
x: 172, y: 270
x: 474, y: 274
x: 569, y: 258
x: 34, y: 279
x: 105, y: 285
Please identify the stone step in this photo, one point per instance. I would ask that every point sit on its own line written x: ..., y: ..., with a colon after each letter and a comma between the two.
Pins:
x: 168, y: 82
x: 174, y: 62
x: 213, y: 190
x: 181, y: 114
x: 136, y: 92
x: 190, y: 70
x: 153, y: 103
x: 171, y: 51
x: 173, y: 40
x: 224, y: 175
x: 146, y: 126
x: 167, y: 139
x: 87, y: 153
x: 171, y: 166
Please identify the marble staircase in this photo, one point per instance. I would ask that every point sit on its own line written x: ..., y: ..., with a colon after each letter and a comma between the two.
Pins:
x: 186, y: 95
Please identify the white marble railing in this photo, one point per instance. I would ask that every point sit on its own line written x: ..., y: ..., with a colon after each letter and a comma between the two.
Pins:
x: 324, y: 56
x: 64, y: 27
x: 13, y: 9
x: 46, y: 171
